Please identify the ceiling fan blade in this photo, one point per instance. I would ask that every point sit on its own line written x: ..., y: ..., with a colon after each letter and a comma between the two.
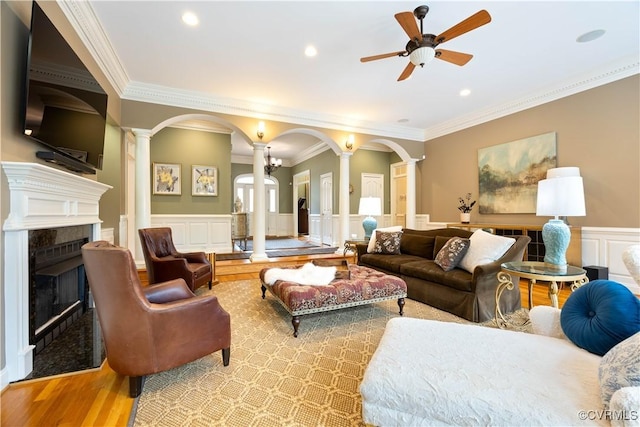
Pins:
x: 471, y: 23
x: 382, y: 56
x: 407, y: 71
x: 457, y: 58
x: 409, y: 25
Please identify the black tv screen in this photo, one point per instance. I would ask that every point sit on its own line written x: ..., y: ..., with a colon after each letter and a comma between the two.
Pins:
x: 65, y: 107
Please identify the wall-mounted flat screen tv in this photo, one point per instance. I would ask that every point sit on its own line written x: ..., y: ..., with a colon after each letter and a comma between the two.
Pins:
x: 65, y: 107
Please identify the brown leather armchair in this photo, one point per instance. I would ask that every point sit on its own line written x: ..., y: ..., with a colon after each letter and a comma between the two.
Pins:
x: 164, y: 262
x: 155, y: 328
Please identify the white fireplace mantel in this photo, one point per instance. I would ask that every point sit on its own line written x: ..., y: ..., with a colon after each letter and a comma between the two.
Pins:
x: 40, y: 197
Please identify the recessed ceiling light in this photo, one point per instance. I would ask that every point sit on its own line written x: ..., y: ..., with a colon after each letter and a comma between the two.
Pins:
x: 190, y: 19
x: 310, y: 51
x: 590, y: 36
x: 465, y: 92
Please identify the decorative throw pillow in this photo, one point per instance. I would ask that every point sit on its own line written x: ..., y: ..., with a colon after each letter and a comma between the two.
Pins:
x: 599, y: 315
x: 620, y: 367
x: 387, y: 243
x: 451, y: 253
x: 485, y: 248
x: 372, y: 241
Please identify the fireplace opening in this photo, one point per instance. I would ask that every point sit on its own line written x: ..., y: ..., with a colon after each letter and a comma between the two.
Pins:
x: 59, y: 288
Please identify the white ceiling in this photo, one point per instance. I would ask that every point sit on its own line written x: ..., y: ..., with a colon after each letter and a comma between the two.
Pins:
x: 247, y: 57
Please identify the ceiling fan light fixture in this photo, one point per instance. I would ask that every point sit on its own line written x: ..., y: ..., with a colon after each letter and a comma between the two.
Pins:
x: 422, y: 55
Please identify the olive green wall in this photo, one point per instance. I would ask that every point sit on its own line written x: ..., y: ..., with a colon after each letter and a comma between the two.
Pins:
x: 111, y: 206
x: 321, y: 164
x: 598, y: 130
x: 187, y: 148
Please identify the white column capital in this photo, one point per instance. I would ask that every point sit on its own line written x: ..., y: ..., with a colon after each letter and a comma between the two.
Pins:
x: 142, y: 133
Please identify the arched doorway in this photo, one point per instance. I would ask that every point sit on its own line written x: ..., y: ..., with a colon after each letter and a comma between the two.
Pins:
x: 243, y: 188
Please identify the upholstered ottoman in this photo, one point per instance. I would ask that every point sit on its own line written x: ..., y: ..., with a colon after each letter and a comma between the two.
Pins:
x: 362, y: 285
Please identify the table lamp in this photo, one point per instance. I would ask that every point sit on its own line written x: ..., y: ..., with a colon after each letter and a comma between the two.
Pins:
x: 561, y: 194
x: 369, y: 206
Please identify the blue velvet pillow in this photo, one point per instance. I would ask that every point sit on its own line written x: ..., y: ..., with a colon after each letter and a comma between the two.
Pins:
x: 599, y: 315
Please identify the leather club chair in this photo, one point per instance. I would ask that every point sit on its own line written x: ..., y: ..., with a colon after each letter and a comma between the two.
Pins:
x: 155, y: 328
x: 164, y: 262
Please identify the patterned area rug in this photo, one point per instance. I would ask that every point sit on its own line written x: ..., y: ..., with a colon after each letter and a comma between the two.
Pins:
x: 275, y: 379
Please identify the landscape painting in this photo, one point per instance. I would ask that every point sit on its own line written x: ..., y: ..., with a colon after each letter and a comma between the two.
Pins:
x: 509, y: 174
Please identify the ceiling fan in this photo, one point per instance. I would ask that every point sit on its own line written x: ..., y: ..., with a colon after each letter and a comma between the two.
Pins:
x: 421, y: 47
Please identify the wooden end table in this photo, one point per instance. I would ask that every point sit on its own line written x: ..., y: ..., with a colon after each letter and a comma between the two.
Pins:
x: 536, y: 271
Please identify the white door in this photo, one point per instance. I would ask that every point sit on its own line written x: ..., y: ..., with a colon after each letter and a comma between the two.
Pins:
x: 326, y: 208
x: 399, y: 193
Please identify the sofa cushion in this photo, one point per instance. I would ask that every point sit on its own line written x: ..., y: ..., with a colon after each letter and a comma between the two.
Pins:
x: 430, y: 271
x: 414, y: 244
x: 620, y: 367
x: 452, y: 252
x: 372, y: 240
x: 591, y: 315
x: 484, y: 248
x: 387, y: 242
x: 438, y: 244
x: 387, y: 263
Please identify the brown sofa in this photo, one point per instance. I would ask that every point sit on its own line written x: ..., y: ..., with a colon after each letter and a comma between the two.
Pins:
x: 471, y: 296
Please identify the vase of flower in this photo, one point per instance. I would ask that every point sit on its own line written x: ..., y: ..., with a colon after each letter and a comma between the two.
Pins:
x: 465, y: 206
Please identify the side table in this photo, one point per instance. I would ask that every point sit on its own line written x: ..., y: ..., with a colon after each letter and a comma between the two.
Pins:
x: 350, y: 245
x: 536, y: 271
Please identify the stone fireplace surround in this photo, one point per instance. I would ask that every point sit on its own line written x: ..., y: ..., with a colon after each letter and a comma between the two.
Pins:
x: 41, y: 197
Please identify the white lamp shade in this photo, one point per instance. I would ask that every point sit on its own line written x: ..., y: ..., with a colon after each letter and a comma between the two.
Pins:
x: 370, y: 206
x: 422, y: 55
x: 562, y: 196
x: 563, y: 172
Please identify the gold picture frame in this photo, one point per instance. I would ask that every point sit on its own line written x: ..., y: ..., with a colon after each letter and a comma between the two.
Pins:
x: 204, y: 180
x: 167, y: 179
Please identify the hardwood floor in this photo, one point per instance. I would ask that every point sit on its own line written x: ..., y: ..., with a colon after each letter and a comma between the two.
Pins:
x: 100, y: 397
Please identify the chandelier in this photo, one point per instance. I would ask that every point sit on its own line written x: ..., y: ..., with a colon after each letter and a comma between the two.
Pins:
x: 271, y: 163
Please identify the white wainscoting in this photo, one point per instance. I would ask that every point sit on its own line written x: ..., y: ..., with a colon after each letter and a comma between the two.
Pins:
x: 208, y: 233
x: 603, y: 246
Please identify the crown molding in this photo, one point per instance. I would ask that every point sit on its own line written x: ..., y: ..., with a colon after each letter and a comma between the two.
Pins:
x: 157, y: 94
x: 623, y: 68
x: 85, y: 23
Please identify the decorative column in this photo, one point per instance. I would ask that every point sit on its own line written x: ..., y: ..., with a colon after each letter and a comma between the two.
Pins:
x: 344, y: 200
x: 410, y: 219
x: 143, y: 184
x: 259, y: 213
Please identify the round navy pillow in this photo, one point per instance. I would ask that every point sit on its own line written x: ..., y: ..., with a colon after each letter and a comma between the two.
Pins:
x: 599, y: 315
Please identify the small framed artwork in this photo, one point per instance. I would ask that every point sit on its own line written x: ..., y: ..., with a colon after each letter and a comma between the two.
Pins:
x: 204, y: 180
x: 166, y: 179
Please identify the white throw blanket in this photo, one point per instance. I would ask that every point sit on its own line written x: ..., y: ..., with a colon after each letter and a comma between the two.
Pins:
x: 308, y: 274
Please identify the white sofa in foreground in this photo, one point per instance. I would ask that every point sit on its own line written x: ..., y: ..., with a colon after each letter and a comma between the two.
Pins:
x: 427, y: 373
